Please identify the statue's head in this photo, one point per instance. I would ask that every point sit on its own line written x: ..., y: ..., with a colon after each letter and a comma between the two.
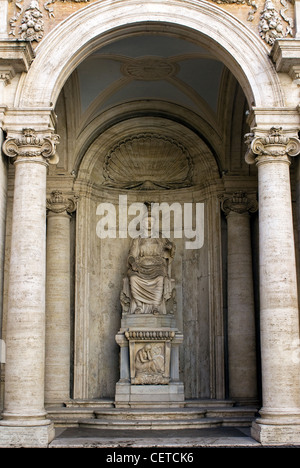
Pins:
x: 148, y: 225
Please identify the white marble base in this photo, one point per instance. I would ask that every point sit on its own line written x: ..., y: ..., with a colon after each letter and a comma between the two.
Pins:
x: 142, y: 396
x: 26, y: 434
x: 276, y: 434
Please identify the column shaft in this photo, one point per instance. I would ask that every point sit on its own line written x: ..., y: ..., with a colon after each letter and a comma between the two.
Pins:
x: 278, y: 290
x: 24, y: 374
x: 241, y: 319
x: 279, y: 314
x: 24, y: 420
x: 57, y: 377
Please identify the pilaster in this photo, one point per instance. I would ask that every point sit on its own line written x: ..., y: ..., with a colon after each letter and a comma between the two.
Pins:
x: 25, y: 420
x: 279, y: 420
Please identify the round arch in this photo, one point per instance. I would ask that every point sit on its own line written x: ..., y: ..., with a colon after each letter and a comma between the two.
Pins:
x: 171, y: 112
x: 105, y: 21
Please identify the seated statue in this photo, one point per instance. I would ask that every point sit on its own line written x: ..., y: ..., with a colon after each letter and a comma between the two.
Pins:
x: 148, y: 286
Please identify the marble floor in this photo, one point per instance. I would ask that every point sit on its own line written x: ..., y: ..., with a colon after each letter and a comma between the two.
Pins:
x: 97, y: 438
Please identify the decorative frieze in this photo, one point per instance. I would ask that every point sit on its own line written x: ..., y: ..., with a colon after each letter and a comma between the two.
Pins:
x: 30, y: 144
x: 275, y: 144
x: 150, y: 334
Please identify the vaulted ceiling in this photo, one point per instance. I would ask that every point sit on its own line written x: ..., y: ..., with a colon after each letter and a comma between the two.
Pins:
x: 150, y: 67
x: 149, y: 71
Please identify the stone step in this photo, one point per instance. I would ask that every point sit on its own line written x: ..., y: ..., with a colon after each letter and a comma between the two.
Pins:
x: 151, y: 414
x: 120, y: 424
x: 145, y: 418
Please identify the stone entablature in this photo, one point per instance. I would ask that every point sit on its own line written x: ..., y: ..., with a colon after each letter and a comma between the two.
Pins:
x: 29, y: 20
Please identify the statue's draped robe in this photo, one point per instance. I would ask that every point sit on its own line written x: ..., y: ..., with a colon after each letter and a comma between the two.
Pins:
x: 148, y: 276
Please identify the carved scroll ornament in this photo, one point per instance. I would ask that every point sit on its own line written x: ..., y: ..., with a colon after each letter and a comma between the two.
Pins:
x: 59, y: 204
x: 30, y: 144
x: 274, y: 144
x: 238, y: 202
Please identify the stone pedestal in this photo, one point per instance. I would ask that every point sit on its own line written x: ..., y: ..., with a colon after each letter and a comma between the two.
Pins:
x: 149, y: 364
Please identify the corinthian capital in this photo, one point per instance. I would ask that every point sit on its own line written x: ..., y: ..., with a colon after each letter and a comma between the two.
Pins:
x: 58, y: 204
x: 30, y: 144
x: 238, y: 202
x: 275, y: 143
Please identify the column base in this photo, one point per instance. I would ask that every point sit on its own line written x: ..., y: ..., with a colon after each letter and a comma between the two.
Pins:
x: 27, y: 434
x: 277, y: 431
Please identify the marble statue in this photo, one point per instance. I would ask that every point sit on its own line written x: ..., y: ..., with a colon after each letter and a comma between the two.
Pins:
x: 148, y: 285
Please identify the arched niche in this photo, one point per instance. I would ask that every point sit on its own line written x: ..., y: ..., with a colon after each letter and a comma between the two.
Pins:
x: 101, y: 264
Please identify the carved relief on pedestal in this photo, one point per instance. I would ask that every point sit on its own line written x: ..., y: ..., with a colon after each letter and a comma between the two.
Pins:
x: 150, y: 353
x: 31, y: 144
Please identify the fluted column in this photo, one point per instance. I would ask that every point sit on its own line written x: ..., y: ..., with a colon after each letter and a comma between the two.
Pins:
x: 279, y: 315
x: 57, y: 372
x: 24, y: 418
x: 241, y: 313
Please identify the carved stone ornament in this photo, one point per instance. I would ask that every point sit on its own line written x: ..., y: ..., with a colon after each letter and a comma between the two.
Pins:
x: 149, y: 69
x: 58, y: 204
x: 250, y: 3
x: 28, y: 22
x: 32, y: 145
x: 148, y: 161
x: 238, y: 202
x: 274, y: 144
x: 150, y: 353
x: 270, y: 25
x: 32, y: 24
x: 50, y: 2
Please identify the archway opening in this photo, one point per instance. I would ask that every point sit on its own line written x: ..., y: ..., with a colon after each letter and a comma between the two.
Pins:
x: 158, y: 89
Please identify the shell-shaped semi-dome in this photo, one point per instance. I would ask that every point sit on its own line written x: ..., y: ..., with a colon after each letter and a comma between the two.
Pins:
x: 148, y: 161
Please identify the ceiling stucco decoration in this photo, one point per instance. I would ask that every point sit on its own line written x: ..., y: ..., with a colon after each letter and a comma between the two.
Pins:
x: 148, y: 161
x: 149, y: 69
